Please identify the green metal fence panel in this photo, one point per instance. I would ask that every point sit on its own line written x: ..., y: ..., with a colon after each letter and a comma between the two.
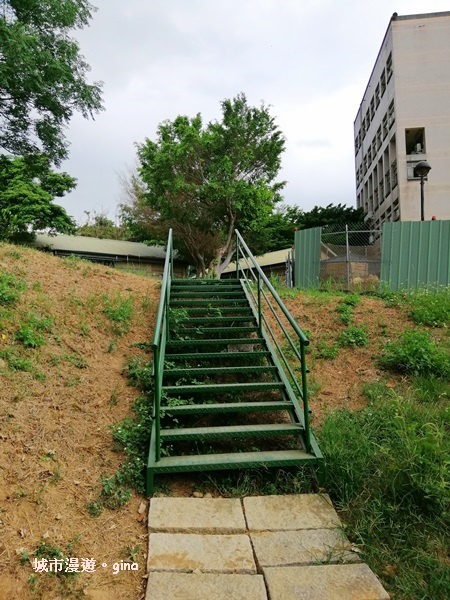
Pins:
x: 415, y: 254
x: 307, y: 257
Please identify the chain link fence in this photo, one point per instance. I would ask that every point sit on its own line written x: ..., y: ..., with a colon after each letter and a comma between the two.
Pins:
x: 350, y: 257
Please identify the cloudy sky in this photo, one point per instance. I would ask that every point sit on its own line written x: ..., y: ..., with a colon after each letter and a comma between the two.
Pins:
x: 310, y: 60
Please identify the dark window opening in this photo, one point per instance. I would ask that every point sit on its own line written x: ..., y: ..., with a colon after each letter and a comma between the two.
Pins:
x: 415, y: 140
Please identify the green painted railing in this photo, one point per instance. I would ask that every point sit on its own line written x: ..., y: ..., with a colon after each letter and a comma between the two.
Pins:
x: 267, y: 302
x: 160, y: 337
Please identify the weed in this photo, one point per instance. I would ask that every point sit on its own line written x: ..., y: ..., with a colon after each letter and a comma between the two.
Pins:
x: 74, y: 381
x: 37, y: 286
x: 431, y: 389
x: 13, y: 254
x: 15, y: 361
x: 430, y: 307
x: 351, y: 300
x: 119, y: 310
x: 29, y: 333
x: 10, y: 288
x: 325, y: 351
x: 387, y: 469
x: 112, y: 347
x: 76, y: 360
x: 354, y: 336
x: 345, y: 312
x: 95, y: 508
x: 415, y: 353
x: 263, y: 482
x: 114, y: 398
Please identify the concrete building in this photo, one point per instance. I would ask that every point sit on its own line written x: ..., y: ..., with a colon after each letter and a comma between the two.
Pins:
x: 404, y: 118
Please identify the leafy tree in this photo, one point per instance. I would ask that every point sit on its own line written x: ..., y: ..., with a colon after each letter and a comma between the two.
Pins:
x: 27, y: 189
x: 42, y: 75
x: 206, y: 181
x: 99, y: 226
x: 279, y: 229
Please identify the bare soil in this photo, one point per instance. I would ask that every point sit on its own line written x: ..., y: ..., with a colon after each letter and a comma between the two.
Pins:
x: 56, y: 418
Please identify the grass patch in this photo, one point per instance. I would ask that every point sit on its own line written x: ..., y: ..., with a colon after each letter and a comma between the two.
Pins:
x: 416, y: 353
x: 10, y: 288
x: 354, y: 336
x: 119, y: 310
x: 387, y: 469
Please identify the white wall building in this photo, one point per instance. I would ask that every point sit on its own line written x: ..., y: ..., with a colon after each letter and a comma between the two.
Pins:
x: 404, y: 118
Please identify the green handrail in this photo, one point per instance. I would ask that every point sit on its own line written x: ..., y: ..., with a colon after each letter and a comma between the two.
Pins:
x: 160, y: 336
x: 260, y: 279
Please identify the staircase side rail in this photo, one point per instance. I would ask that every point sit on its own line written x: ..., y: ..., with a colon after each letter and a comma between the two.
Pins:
x: 158, y: 344
x: 248, y: 263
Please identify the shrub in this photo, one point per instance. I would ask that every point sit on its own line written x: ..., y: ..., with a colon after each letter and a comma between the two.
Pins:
x: 354, y: 336
x: 415, y: 353
x: 430, y: 307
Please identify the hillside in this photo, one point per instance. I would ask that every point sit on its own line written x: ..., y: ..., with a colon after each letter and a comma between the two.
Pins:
x: 68, y: 327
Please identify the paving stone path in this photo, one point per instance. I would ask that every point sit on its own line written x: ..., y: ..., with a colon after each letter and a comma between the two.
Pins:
x: 258, y: 548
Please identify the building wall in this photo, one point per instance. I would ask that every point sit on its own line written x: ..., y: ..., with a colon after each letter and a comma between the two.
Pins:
x: 408, y: 95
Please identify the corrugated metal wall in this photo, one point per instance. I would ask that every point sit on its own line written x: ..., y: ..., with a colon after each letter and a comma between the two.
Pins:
x: 307, y: 257
x: 415, y: 254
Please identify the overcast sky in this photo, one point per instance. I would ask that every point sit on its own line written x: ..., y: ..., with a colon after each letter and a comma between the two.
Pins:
x: 310, y: 60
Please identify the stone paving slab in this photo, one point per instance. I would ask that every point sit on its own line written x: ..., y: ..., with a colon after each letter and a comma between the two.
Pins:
x: 301, y: 547
x: 205, y: 586
x: 324, y: 582
x: 187, y: 553
x: 283, y: 513
x: 196, y: 515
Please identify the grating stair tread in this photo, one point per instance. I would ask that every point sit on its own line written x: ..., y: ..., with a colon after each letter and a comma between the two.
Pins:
x: 252, y: 370
x: 231, y: 431
x: 274, y: 458
x: 213, y: 330
x: 222, y: 387
x: 205, y: 320
x: 219, y: 342
x: 202, y: 282
x: 226, y: 407
x: 222, y: 355
x: 231, y: 293
x: 208, y: 302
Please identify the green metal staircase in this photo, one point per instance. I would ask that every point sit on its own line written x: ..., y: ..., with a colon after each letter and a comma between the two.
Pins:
x: 226, y: 395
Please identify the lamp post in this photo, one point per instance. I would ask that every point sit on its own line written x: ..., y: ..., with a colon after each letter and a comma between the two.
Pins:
x: 421, y: 170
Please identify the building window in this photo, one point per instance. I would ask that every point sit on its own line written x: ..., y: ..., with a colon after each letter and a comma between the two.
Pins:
x: 389, y: 67
x: 377, y: 96
x: 372, y: 108
x: 394, y: 174
x: 379, y: 138
x: 385, y: 125
x: 391, y: 114
x: 383, y: 83
x: 415, y: 140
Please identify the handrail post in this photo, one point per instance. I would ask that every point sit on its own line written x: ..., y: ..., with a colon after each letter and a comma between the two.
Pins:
x: 157, y: 405
x: 237, y: 257
x: 259, y: 305
x: 305, y: 397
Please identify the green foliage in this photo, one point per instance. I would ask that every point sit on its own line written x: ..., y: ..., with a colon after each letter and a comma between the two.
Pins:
x: 345, y: 312
x: 430, y: 307
x: 326, y: 351
x: 10, y: 288
x: 279, y: 229
x: 29, y: 333
x: 354, y: 336
x: 415, y: 353
x: 261, y: 482
x: 205, y: 181
x: 27, y: 189
x: 43, y: 75
x: 387, y: 469
x: 119, y: 310
x: 99, y: 226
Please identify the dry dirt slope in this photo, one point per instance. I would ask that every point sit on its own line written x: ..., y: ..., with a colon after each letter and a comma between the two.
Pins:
x: 57, y: 403
x: 59, y: 400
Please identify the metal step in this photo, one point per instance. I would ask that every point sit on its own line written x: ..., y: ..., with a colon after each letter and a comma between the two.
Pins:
x: 203, y: 282
x: 209, y: 302
x: 195, y: 321
x: 224, y: 293
x: 226, y: 407
x: 213, y: 330
x: 252, y: 370
x: 197, y: 356
x: 203, y: 388
x: 206, y: 289
x: 220, y: 310
x: 208, y: 342
x: 230, y: 432
x: 276, y: 458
